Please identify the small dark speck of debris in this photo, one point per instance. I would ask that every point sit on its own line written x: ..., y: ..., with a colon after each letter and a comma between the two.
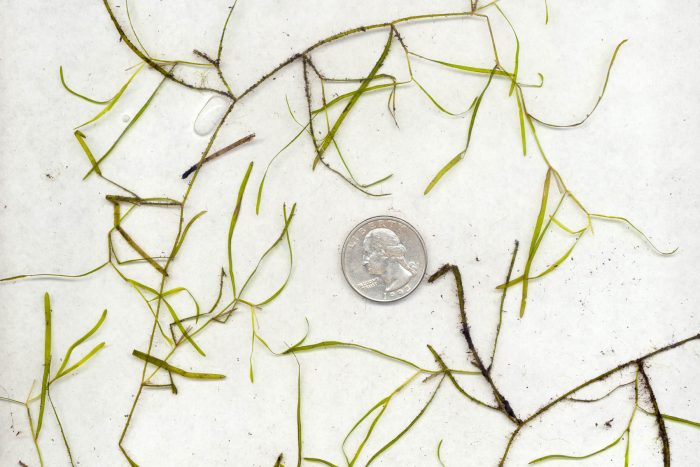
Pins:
x: 608, y: 424
x: 477, y: 259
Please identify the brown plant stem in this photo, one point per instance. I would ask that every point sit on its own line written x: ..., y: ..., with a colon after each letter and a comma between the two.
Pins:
x: 663, y: 435
x: 503, y: 404
x: 596, y: 379
x: 288, y: 61
x: 152, y: 63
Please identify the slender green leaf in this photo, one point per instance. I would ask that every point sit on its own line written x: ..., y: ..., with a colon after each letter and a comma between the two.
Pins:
x: 262, y: 181
x: 279, y: 239
x: 348, y: 95
x: 113, y: 100
x: 131, y: 123
x: 673, y: 418
x: 75, y: 344
x: 636, y: 229
x: 31, y: 427
x: 143, y: 286
x: 437, y: 104
x: 461, y: 155
x: 681, y: 420
x: 521, y: 120
x: 514, y: 76
x: 47, y: 362
x: 567, y: 229
x: 13, y: 401
x: 291, y: 261
x: 60, y: 427
x: 80, y: 362
x: 549, y: 269
x: 177, y: 290
x: 600, y: 97
x: 320, y: 461
x: 232, y: 226
x: 133, y: 30
x: 181, y: 240
x: 184, y: 332
x: 370, y: 430
x: 533, y: 242
x: 81, y: 140
x: 443, y: 171
x: 408, y: 427
x: 320, y: 345
x: 137, y: 287
x: 452, y: 379
x: 173, y: 369
x: 471, y: 69
x: 251, y: 374
x: 299, y: 433
x: 67, y: 88
x: 353, y: 100
x: 586, y: 456
x: 64, y: 276
x: 353, y: 181
x: 383, y: 403
x: 223, y: 31
x: 439, y: 457
x: 142, y: 253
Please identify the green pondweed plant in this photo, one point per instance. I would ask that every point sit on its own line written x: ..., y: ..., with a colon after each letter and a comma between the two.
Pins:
x: 328, y: 116
x: 66, y: 369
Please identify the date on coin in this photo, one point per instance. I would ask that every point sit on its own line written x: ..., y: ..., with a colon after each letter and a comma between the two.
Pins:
x: 384, y: 258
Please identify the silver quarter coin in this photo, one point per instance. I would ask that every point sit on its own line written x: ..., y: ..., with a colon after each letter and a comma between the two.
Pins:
x: 384, y: 258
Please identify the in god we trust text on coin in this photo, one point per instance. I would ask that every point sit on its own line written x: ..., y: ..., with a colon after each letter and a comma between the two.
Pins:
x: 384, y: 258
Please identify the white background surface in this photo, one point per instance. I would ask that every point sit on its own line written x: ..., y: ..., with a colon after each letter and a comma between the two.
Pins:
x: 615, y: 300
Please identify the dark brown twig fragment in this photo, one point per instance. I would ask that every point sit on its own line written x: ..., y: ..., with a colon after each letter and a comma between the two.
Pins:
x: 218, y: 153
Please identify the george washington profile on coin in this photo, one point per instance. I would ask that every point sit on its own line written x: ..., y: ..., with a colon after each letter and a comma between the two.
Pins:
x: 384, y: 258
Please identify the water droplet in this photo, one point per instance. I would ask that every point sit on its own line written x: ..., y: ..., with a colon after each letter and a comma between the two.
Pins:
x: 210, y: 115
x: 125, y: 118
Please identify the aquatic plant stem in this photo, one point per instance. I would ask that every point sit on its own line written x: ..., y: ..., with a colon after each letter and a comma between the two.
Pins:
x: 164, y: 276
x: 503, y: 299
x: 503, y: 404
x: 663, y: 435
x: 596, y: 379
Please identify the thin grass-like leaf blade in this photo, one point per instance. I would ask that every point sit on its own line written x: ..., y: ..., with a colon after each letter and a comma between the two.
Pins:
x: 47, y: 363
x: 232, y: 227
x: 82, y: 339
x: 173, y: 369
